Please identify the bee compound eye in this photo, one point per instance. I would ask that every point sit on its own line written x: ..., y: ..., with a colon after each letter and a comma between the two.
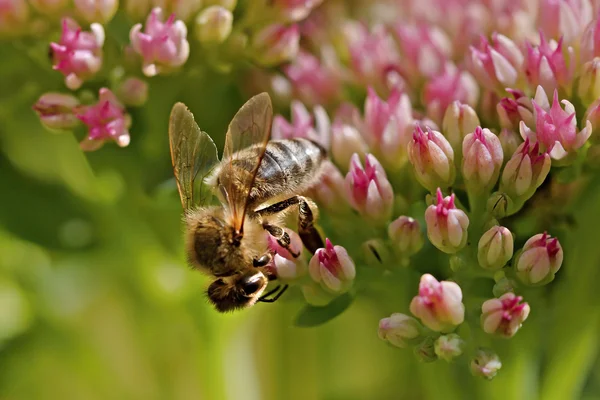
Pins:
x: 252, y: 284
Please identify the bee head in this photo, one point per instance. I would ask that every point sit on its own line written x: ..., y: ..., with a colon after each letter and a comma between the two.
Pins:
x: 236, y: 292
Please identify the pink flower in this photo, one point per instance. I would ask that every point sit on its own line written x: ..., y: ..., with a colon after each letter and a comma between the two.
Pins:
x: 276, y: 43
x: 286, y: 267
x: 446, y: 224
x: 106, y: 120
x: 387, y: 126
x: 449, y: 346
x: 459, y: 120
x: 504, y: 316
x: 303, y: 125
x: 379, y: 45
x: 100, y: 11
x: 330, y: 192
x: 524, y: 172
x: 163, y: 45
x: 56, y: 110
x: 590, y: 41
x: 496, y: 65
x: 433, y: 159
x: 564, y: 18
x: 556, y: 129
x: 482, y: 160
x: 368, y: 189
x: 399, y: 329
x: 333, y: 268
x: 313, y: 80
x: 486, y: 363
x: 78, y: 55
x: 346, y: 140
x: 539, y: 260
x: 447, y: 87
x: 495, y: 248
x: 405, y: 234
x: 547, y: 66
x: 512, y: 111
x: 438, y: 305
x: 295, y: 10
x: 425, y: 48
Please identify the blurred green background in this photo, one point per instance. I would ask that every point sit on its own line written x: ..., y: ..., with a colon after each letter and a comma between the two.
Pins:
x: 96, y: 301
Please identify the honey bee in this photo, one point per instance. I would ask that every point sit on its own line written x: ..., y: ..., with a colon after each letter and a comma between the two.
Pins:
x: 257, y: 182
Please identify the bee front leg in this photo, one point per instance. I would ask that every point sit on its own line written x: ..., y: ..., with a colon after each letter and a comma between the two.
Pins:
x: 283, y: 239
x: 306, y: 229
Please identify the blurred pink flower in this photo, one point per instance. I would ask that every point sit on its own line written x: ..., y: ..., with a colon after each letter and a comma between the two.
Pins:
x: 78, y: 54
x: 564, y: 18
x: 276, y: 43
x: 547, y: 65
x: 106, y: 120
x: 313, y: 80
x: 303, y: 125
x: 162, y: 45
x: 56, y: 110
x: 496, y: 65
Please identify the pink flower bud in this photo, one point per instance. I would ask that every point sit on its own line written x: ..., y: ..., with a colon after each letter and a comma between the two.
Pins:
x: 14, y: 15
x: 133, y: 92
x: 546, y: 65
x: 106, y: 120
x: 333, y: 268
x: 330, y: 192
x: 448, y: 347
x: 303, y: 125
x: 556, y: 129
x: 564, y: 18
x: 459, y: 120
x: 433, y: 158
x: 387, y: 126
x: 163, y: 46
x: 486, y: 363
x: 446, y: 224
x: 504, y: 316
x: 511, y: 111
x: 590, y: 41
x: 314, y: 81
x: 379, y: 45
x: 589, y: 82
x: 276, y: 43
x: 100, y: 11
x: 56, y: 110
x: 405, y: 234
x: 286, y: 267
x: 295, y: 10
x: 368, y: 189
x: 438, y: 305
x: 78, y: 55
x: 495, y: 248
x: 509, y: 140
x: 399, y: 329
x: 346, y: 140
x: 482, y: 160
x: 425, y: 48
x: 447, y: 87
x: 524, y: 172
x: 539, y: 260
x: 213, y: 25
x: 496, y: 65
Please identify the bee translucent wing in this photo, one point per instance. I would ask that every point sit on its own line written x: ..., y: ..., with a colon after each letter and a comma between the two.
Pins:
x: 193, y: 154
x: 245, y: 145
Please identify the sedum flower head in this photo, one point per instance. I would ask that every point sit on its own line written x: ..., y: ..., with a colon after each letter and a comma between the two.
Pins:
x: 539, y: 260
x: 438, y: 304
x: 446, y: 224
x: 505, y: 315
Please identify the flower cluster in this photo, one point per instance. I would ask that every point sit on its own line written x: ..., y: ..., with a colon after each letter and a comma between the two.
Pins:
x: 452, y: 122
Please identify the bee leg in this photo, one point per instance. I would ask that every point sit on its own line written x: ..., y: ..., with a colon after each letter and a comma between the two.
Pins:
x: 306, y: 229
x: 283, y: 239
x: 262, y: 261
x: 264, y: 299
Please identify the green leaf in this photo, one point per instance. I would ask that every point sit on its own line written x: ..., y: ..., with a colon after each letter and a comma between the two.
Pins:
x: 311, y: 316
